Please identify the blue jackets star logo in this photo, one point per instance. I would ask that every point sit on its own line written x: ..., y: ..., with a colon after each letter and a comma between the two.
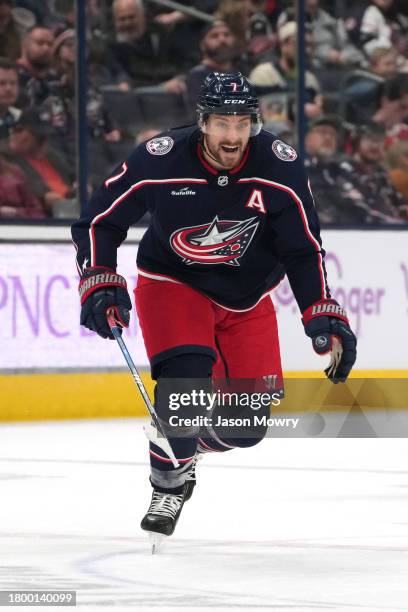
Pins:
x: 218, y: 242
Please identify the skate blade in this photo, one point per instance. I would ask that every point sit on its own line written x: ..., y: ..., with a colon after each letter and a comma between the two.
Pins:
x: 156, y: 540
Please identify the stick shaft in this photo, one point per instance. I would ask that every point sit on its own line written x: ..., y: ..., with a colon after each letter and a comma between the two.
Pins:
x: 116, y: 331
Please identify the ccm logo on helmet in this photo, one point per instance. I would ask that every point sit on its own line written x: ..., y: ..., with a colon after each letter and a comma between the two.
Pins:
x: 234, y: 101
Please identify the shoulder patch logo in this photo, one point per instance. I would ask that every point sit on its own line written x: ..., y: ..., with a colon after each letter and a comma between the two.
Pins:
x: 160, y: 146
x: 283, y: 151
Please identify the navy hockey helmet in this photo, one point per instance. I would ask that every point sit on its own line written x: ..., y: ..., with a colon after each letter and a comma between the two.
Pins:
x: 228, y: 94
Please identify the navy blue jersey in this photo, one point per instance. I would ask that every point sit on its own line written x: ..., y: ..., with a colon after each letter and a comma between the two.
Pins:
x: 230, y: 235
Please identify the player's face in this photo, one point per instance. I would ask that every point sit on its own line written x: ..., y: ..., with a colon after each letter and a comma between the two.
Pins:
x: 226, y: 138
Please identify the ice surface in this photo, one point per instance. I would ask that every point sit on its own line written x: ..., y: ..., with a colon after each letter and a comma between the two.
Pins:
x: 298, y: 525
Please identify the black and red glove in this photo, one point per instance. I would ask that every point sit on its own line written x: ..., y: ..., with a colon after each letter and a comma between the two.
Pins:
x: 326, y: 323
x: 101, y: 289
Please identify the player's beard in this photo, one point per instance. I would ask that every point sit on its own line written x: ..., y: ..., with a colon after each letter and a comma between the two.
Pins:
x: 224, y: 158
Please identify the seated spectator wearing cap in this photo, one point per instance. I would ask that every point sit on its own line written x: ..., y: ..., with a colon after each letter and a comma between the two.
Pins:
x: 366, y: 169
x: 61, y: 103
x: 397, y: 164
x: 283, y: 73
x: 8, y: 96
x: 219, y: 54
x: 10, y: 42
x: 49, y: 176
x: 383, y: 25
x: 36, y: 76
x: 338, y: 200
x: 331, y: 44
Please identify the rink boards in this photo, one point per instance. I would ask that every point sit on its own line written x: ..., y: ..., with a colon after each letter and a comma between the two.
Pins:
x: 52, y: 368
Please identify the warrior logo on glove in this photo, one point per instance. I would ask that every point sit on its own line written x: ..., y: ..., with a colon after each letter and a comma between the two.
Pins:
x: 100, y: 290
x: 327, y: 325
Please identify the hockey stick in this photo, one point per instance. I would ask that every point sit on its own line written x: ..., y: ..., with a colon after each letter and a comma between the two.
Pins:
x: 155, y: 435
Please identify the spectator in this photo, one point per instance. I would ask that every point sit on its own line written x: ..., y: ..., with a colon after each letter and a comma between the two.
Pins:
x: 384, y: 62
x: 283, y: 73
x: 363, y: 94
x: 398, y: 132
x: 331, y: 44
x: 393, y: 107
x: 35, y: 73
x: 8, y: 96
x: 10, y: 43
x: 141, y: 48
x: 337, y: 199
x: 250, y: 26
x: 383, y: 25
x: 366, y: 170
x: 49, y: 176
x: 44, y: 12
x: 237, y: 14
x: 219, y: 50
x: 183, y: 32
x: 16, y: 198
x: 103, y: 68
x: 397, y: 162
x: 61, y: 103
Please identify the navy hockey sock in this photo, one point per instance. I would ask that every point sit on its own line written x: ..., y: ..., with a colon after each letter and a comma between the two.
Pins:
x: 178, y: 375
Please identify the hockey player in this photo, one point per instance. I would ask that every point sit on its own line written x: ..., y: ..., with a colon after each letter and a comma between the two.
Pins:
x: 231, y: 213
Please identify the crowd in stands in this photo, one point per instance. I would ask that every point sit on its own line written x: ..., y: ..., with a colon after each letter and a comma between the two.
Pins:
x: 145, y: 65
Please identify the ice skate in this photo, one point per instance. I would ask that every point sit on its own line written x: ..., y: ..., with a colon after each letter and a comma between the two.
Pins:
x: 162, y: 516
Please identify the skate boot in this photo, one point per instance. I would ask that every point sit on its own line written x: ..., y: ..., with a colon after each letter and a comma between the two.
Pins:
x: 162, y: 516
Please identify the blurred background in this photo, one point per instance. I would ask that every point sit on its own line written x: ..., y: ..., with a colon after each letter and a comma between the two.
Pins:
x: 81, y: 83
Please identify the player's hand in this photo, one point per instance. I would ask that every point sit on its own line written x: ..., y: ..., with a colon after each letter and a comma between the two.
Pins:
x: 327, y: 325
x: 102, y: 289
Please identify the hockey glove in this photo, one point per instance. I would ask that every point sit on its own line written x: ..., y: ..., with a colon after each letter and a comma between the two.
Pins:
x: 101, y: 289
x: 327, y: 325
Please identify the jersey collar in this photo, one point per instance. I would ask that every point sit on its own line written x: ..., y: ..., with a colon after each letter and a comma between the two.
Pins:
x: 222, y: 178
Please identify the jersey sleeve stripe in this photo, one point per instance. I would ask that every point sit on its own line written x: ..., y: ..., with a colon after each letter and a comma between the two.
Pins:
x: 299, y: 203
x: 76, y: 258
x: 116, y: 177
x: 122, y: 197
